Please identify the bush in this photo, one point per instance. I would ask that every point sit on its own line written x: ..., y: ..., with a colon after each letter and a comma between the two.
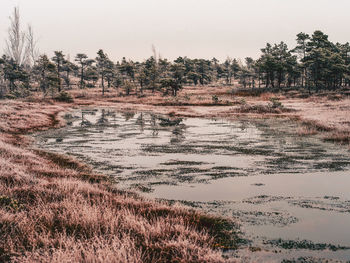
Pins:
x: 19, y: 93
x: 275, y: 103
x: 64, y: 97
x: 90, y: 85
x: 10, y: 96
x: 215, y: 99
x: 243, y: 101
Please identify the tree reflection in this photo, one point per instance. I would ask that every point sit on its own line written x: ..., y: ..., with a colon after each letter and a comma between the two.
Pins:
x: 178, y: 134
x: 154, y: 125
x: 141, y: 122
x: 102, y: 120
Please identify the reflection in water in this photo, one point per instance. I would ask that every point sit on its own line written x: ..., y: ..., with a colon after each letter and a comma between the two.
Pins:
x: 178, y: 134
x: 103, y: 118
x: 154, y: 126
x: 84, y: 121
x: 278, y: 184
x: 141, y: 122
x: 128, y: 115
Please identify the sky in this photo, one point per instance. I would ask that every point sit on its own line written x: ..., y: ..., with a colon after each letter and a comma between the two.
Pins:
x: 193, y: 28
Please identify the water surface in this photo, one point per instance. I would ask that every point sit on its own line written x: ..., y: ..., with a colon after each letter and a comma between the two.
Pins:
x: 278, y: 184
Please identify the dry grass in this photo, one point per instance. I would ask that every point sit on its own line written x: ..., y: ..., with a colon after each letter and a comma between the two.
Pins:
x: 305, y: 131
x: 316, y: 126
x: 262, y: 109
x: 342, y: 137
x: 54, y: 209
x: 189, y: 96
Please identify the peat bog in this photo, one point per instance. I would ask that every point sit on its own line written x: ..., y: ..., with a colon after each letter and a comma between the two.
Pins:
x: 289, y: 192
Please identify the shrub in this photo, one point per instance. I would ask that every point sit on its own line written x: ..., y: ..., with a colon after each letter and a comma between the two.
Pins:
x: 243, y: 101
x: 275, y: 103
x: 215, y: 99
x: 90, y: 85
x: 187, y: 97
x: 64, y: 97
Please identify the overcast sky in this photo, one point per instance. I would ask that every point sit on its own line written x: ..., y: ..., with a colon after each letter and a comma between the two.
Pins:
x: 193, y: 28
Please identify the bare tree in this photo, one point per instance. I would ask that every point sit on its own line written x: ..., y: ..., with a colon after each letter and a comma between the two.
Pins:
x: 32, y: 50
x: 16, y: 42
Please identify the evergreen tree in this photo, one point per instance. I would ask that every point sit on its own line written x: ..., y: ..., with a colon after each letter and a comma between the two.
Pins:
x: 84, y: 62
x: 47, y: 73
x: 59, y: 60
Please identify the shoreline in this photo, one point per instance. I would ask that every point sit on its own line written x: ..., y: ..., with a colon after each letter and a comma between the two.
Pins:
x: 48, y: 169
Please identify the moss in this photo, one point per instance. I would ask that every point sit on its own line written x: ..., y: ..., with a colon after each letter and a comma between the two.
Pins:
x: 9, y: 203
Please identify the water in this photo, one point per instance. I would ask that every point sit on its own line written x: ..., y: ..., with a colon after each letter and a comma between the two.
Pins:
x: 278, y: 184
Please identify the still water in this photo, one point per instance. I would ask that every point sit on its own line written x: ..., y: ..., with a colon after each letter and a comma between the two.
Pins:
x: 278, y: 185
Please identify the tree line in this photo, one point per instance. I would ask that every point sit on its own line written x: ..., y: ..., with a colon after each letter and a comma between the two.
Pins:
x: 314, y: 63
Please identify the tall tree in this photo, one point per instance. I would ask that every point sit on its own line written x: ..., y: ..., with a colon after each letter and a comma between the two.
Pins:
x: 68, y: 67
x: 32, y: 49
x: 13, y: 73
x: 102, y: 64
x: 59, y: 60
x: 318, y: 53
x: 47, y: 72
x: 84, y: 62
x: 151, y: 69
x: 300, y: 49
x: 16, y: 42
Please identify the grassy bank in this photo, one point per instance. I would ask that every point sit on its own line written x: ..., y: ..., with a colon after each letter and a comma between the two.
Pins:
x: 55, y: 209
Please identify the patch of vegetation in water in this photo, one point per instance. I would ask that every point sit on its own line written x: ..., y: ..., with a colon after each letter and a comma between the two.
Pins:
x: 327, y: 203
x: 274, y: 218
x: 186, y: 163
x: 261, y: 199
x: 237, y: 149
x: 152, y: 172
x: 304, y: 244
x: 283, y: 162
x: 142, y: 188
x: 308, y: 260
x: 218, y: 175
x: 331, y: 197
x: 163, y: 183
x: 224, y: 168
x: 332, y: 165
x: 187, y: 149
x: 189, y: 170
x: 185, y: 178
x: 206, y: 149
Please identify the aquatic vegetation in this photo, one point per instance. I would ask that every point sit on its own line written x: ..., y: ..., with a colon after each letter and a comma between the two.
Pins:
x: 304, y: 244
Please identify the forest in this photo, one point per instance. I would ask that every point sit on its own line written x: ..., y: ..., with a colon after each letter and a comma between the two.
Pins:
x: 314, y: 63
